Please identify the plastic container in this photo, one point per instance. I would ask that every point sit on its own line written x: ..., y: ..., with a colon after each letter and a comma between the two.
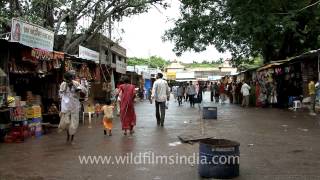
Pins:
x: 209, y: 112
x: 219, y: 158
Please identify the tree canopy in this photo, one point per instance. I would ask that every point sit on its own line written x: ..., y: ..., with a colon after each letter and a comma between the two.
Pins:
x: 67, y: 17
x: 152, y: 62
x: 274, y: 29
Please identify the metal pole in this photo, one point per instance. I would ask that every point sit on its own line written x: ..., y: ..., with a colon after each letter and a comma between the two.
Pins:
x: 318, y: 65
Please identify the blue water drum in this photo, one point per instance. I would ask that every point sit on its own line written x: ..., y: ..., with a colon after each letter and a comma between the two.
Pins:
x: 219, y: 158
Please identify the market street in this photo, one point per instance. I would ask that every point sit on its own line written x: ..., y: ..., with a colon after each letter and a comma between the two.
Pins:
x: 275, y: 144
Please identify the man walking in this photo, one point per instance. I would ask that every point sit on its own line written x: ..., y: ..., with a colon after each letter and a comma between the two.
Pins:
x: 161, y: 93
x: 180, y: 93
x: 191, y: 91
x: 70, y: 105
x: 245, y: 88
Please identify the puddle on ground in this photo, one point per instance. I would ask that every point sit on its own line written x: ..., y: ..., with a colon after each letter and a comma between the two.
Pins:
x: 175, y: 143
x: 304, y: 130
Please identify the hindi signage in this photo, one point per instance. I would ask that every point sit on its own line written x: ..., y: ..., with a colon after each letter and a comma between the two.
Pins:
x: 88, y: 54
x: 121, y: 67
x: 31, y: 35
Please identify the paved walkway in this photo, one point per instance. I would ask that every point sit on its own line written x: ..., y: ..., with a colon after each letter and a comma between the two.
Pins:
x: 275, y: 144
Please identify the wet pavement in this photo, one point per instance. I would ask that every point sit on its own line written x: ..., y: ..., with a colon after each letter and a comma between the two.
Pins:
x: 275, y: 144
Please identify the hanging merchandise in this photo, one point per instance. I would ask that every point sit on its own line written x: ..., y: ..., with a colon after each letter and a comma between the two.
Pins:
x: 97, y: 74
x: 287, y: 69
x: 85, y: 72
x: 44, y: 66
x: 68, y: 65
x: 13, y: 65
x: 278, y: 71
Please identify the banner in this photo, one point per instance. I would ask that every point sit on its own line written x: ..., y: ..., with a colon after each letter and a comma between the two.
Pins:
x: 88, y: 54
x: 121, y: 67
x: 31, y: 35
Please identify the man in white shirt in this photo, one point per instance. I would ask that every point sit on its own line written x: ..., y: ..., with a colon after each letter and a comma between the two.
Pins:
x: 69, y: 92
x: 191, y: 91
x: 245, y: 90
x: 161, y: 93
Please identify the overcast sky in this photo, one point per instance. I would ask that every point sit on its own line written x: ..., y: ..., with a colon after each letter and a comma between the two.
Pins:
x: 142, y: 36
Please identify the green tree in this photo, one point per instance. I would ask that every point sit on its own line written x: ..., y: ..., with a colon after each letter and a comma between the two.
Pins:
x: 152, y: 62
x: 274, y: 29
x: 65, y: 16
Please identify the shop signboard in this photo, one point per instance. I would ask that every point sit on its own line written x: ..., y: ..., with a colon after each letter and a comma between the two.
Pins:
x: 214, y: 78
x: 88, y: 54
x: 31, y: 35
x: 171, y: 75
x: 130, y: 68
x: 121, y: 67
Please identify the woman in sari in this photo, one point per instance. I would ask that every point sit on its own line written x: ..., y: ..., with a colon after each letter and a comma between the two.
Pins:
x: 127, y: 113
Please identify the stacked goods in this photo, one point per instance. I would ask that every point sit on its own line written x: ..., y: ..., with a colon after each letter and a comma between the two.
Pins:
x: 35, y: 127
x: 19, y: 130
x: 18, y: 114
x: 17, y: 134
x: 34, y: 118
x: 34, y: 112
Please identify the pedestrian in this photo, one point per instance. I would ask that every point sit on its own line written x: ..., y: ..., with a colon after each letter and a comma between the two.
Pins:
x: 127, y: 112
x: 191, y: 92
x: 312, y: 94
x: 211, y: 91
x: 108, y: 110
x: 118, y: 97
x: 198, y: 96
x: 174, y: 92
x: 161, y: 94
x: 216, y: 92
x: 180, y: 94
x: 233, y: 92
x: 70, y: 105
x: 222, y: 92
x: 185, y: 87
x: 245, y: 90
x: 258, y: 102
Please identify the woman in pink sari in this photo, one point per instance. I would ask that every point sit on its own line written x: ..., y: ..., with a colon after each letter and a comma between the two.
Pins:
x: 127, y: 113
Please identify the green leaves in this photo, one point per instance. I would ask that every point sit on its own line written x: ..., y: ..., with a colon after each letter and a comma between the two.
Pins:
x: 274, y: 29
x: 152, y: 62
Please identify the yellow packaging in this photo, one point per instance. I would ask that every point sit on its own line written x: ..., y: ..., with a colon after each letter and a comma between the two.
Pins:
x: 36, y: 111
x: 30, y: 112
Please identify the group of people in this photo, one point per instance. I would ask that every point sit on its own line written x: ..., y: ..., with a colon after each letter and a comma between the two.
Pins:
x: 191, y: 92
x: 237, y: 92
x: 71, y: 92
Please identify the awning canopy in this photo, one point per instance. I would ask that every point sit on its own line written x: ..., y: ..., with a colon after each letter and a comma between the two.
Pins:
x: 272, y: 64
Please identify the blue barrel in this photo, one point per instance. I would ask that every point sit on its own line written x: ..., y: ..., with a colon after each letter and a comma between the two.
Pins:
x: 209, y: 112
x: 219, y: 158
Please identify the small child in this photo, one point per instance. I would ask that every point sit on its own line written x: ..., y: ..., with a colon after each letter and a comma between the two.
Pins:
x: 108, y: 117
